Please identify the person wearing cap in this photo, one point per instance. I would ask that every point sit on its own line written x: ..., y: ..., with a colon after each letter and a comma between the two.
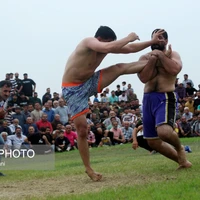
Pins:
x: 186, y: 80
x: 29, y: 86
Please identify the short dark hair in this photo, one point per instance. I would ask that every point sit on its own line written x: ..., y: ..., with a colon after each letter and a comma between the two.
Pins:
x: 165, y: 35
x: 5, y: 83
x: 105, y: 33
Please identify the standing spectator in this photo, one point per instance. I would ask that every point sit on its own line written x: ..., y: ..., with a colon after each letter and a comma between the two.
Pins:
x: 131, y: 96
x: 50, y: 113
x: 55, y: 105
x: 29, y: 86
x: 19, y: 83
x: 118, y: 92
x: 46, y: 96
x: 36, y: 114
x: 55, y: 97
x: 63, y: 111
x: 186, y: 80
x: 14, y: 84
x: 104, y: 98
x: 129, y: 89
x: 124, y: 88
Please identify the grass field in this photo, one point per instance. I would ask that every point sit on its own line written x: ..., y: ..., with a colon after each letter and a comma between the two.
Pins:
x: 127, y: 174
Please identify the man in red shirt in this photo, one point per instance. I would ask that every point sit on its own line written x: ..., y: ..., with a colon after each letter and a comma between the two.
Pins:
x: 71, y: 135
x: 44, y: 123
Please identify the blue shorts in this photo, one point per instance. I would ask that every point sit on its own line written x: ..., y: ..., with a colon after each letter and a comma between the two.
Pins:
x: 77, y: 94
x: 158, y: 108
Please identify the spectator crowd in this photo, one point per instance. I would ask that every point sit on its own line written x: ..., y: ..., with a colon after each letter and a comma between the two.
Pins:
x: 112, y: 116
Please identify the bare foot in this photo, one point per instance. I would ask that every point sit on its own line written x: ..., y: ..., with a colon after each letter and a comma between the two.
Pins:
x: 183, y: 162
x: 187, y: 164
x: 95, y: 176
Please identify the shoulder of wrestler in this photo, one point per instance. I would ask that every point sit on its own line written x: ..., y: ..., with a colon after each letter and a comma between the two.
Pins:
x: 145, y: 56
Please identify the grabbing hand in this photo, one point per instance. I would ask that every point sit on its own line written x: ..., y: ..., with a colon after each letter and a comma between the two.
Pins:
x: 156, y: 53
x: 169, y: 51
x: 132, y: 37
x: 157, y: 37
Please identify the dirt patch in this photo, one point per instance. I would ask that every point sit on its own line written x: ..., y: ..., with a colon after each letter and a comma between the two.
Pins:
x: 65, y: 185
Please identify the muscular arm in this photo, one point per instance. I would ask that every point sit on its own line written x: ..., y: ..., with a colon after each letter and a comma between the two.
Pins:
x: 105, y: 47
x: 134, y: 47
x: 172, y: 65
x: 149, y: 71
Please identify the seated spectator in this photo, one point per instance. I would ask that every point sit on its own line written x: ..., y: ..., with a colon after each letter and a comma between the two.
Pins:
x: 59, y: 128
x: 127, y: 131
x: 127, y: 116
x: 7, y: 143
x: 187, y: 114
x: 21, y: 117
x: 91, y: 137
x: 96, y: 98
x: 13, y: 126
x: 185, y: 128
x: 23, y: 100
x: 14, y: 102
x: 107, y: 121
x: 123, y: 97
x: 190, y: 104
x: 113, y: 98
x: 9, y: 115
x: 62, y: 143
x: 35, y: 99
x: 197, y: 103
x: 33, y: 136
x: 4, y: 128
x: 197, y: 127
x: 190, y: 91
x: 181, y: 92
x: 46, y: 96
x: 71, y: 136
x: 18, y: 139
x: 56, y: 121
x: 55, y: 97
x: 25, y: 111
x: 55, y: 105
x: 44, y: 123
x: 30, y: 107
x: 118, y: 136
x: 50, y: 113
x: 105, y: 140
x: 131, y: 96
x: 36, y: 114
x: 29, y: 122
x: 47, y: 138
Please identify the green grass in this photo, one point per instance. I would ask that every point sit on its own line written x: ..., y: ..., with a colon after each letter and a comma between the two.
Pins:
x: 128, y: 174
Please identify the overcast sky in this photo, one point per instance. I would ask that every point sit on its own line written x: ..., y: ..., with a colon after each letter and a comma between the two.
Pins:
x: 37, y: 36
